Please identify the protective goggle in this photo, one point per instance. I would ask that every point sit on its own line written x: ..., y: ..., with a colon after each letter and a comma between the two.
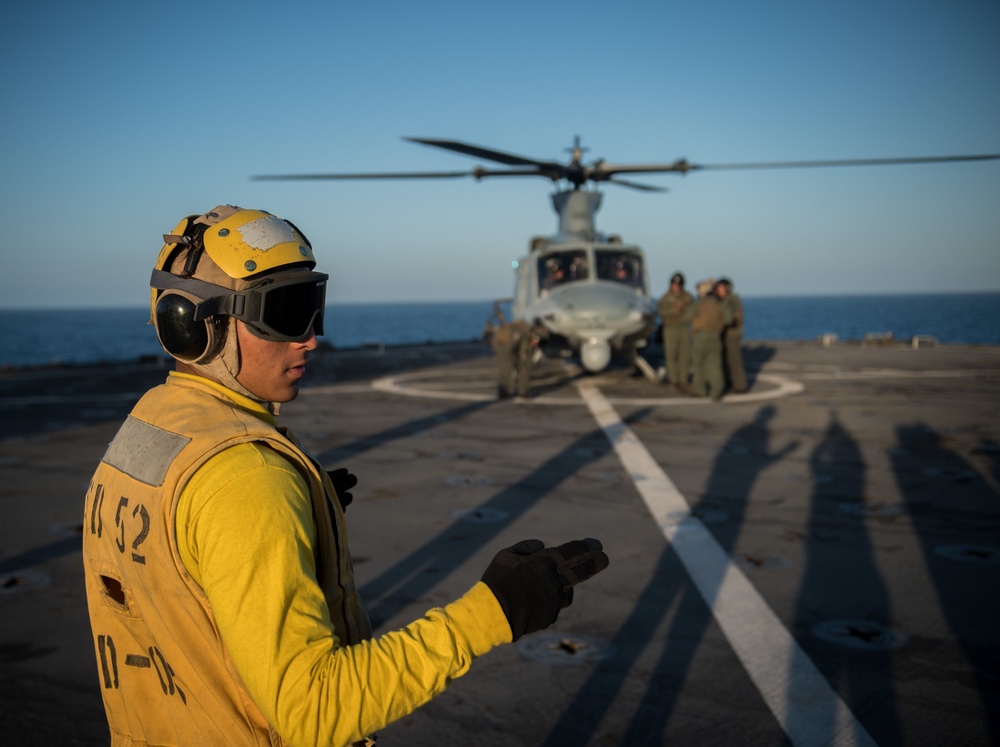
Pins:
x: 287, y: 307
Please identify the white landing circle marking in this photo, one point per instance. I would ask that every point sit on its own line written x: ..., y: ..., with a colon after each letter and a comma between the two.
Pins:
x: 892, y: 373
x: 432, y: 384
x: 807, y: 708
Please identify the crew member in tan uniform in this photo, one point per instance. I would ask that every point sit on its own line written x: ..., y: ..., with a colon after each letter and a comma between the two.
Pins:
x: 514, y: 345
x: 732, y: 337
x: 674, y: 311
x: 710, y: 318
x: 219, y: 583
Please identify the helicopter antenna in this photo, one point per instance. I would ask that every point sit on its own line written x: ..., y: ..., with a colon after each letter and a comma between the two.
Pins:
x: 577, y: 151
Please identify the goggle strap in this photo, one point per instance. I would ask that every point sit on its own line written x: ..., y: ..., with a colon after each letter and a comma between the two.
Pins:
x: 162, y: 280
x: 219, y: 300
x: 231, y: 305
x: 226, y: 302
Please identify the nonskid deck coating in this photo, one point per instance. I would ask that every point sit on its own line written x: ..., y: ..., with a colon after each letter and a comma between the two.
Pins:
x: 853, y: 485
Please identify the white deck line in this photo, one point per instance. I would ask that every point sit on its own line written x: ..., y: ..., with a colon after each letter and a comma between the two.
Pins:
x: 809, y: 711
x: 414, y: 385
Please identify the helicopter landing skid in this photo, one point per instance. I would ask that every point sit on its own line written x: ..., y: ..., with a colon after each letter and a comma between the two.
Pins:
x: 643, y: 365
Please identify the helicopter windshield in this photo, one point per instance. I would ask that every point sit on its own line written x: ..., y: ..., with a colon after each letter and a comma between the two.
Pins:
x: 556, y: 268
x: 622, y: 267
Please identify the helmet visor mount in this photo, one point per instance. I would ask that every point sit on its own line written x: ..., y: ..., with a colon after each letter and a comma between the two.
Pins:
x: 286, y: 307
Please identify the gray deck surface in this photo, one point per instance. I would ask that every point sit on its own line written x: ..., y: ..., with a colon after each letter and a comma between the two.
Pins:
x: 853, y: 497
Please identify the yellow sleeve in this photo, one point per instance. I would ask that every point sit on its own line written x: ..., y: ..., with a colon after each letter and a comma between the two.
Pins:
x: 245, y: 532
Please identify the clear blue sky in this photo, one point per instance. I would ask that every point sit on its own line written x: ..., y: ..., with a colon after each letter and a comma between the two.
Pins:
x: 120, y: 118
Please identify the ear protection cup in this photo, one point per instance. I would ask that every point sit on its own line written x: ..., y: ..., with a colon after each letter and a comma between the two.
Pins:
x: 180, y: 334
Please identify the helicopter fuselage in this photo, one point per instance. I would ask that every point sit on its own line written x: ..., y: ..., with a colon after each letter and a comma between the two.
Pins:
x: 590, y: 297
x: 586, y: 290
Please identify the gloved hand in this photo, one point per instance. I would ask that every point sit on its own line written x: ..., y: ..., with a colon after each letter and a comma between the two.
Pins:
x: 343, y: 481
x: 533, y: 582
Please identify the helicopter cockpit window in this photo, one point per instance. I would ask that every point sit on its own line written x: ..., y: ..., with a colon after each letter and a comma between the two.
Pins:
x: 562, y: 267
x: 622, y: 267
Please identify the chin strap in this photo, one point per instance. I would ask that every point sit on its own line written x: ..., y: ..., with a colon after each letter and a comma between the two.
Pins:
x: 225, y: 366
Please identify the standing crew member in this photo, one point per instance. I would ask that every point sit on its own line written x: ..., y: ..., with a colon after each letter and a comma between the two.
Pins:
x: 710, y: 318
x: 514, y: 345
x: 220, y: 587
x: 526, y: 338
x: 674, y: 308
x: 732, y: 337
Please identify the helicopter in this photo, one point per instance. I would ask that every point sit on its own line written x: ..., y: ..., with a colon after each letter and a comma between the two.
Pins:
x: 588, y: 291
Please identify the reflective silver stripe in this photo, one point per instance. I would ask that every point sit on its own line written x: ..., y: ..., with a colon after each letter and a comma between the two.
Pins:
x: 143, y: 451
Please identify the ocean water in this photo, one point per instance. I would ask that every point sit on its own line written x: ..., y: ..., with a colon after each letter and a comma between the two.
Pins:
x: 81, y: 336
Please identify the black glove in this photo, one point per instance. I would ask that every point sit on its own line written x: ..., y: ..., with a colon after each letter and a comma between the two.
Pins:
x: 533, y: 582
x: 343, y: 481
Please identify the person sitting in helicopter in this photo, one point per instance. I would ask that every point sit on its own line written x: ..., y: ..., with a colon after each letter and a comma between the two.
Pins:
x: 554, y: 274
x: 616, y: 266
x: 625, y: 271
x: 578, y: 268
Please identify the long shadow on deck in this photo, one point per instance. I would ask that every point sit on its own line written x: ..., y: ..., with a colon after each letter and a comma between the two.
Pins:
x: 416, y: 574
x: 951, y: 505
x: 842, y: 582
x: 722, y: 506
x: 336, y: 456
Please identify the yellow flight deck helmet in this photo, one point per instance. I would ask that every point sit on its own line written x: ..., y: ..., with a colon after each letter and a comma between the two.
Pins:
x: 228, y: 264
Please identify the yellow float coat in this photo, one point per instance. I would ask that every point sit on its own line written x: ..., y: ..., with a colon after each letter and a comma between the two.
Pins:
x: 221, y: 591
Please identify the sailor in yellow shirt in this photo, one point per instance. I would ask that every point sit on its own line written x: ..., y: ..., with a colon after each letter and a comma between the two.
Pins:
x: 219, y: 580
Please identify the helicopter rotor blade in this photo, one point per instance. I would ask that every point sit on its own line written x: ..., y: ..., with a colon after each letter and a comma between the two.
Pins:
x: 386, y: 175
x: 683, y: 166
x: 476, y: 173
x: 636, y: 185
x: 489, y: 154
x: 848, y: 162
x: 578, y: 174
